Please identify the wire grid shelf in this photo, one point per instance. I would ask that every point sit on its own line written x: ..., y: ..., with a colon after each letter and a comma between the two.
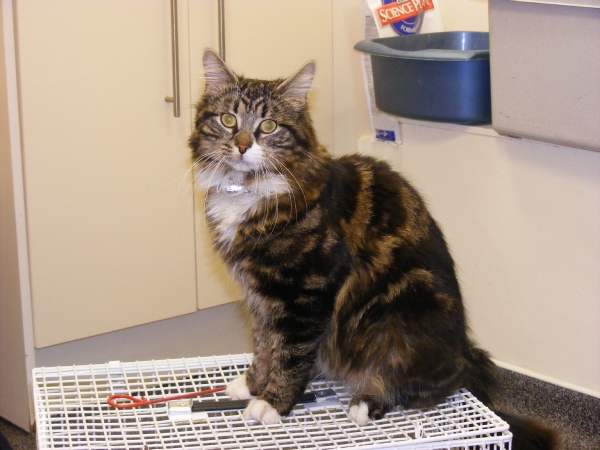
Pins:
x: 71, y: 412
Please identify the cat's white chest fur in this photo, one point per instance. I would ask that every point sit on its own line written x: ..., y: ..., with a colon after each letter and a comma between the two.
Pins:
x: 232, y: 199
x: 227, y: 209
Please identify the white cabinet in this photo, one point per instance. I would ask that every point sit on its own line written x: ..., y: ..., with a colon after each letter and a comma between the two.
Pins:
x: 108, y: 186
x: 107, y: 189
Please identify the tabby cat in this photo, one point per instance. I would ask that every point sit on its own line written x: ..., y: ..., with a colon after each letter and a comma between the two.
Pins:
x: 345, y: 273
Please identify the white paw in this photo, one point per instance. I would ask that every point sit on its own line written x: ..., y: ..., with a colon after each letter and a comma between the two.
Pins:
x: 238, y: 390
x: 359, y: 413
x: 261, y: 410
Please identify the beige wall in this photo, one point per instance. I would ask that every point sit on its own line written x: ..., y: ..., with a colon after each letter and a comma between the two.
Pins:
x: 523, y: 221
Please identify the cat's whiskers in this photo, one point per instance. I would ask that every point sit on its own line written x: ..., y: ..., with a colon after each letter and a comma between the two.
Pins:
x: 261, y: 181
x: 211, y: 167
x: 276, y: 213
x: 271, y: 160
x: 322, y: 162
x: 189, y: 179
x: 206, y: 156
x: 267, y: 190
x: 221, y: 161
x: 196, y: 163
x: 205, y: 161
x: 265, y: 187
x: 268, y: 179
x: 189, y: 182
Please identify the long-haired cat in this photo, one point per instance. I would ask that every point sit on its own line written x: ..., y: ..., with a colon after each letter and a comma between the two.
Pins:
x: 345, y: 273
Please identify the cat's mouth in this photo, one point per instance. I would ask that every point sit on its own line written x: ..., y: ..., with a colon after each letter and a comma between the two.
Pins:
x: 245, y: 159
x: 240, y: 165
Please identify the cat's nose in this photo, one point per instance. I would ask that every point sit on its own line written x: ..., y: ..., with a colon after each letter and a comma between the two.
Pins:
x: 243, y: 141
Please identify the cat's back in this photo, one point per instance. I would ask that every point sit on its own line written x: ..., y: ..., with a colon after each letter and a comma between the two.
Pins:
x: 371, y: 202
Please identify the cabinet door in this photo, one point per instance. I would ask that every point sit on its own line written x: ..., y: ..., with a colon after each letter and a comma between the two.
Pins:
x: 264, y: 39
x: 272, y: 39
x: 108, y: 187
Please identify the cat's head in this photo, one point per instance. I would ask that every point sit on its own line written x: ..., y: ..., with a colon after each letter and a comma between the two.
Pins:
x: 247, y: 128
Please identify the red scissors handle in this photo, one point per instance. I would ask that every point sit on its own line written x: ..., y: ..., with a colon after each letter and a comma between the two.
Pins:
x: 134, y: 402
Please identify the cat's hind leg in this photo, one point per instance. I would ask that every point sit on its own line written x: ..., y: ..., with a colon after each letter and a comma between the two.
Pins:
x: 365, y: 408
x: 373, y: 396
x: 359, y: 413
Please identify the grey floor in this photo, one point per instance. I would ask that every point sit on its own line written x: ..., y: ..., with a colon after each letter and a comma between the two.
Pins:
x: 576, y: 416
x: 17, y: 438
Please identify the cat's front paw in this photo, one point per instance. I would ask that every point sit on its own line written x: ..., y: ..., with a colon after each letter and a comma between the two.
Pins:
x: 261, y: 410
x: 238, y: 389
x: 359, y: 413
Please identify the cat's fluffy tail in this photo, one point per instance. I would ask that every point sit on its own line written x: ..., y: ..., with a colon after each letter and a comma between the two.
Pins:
x: 529, y: 434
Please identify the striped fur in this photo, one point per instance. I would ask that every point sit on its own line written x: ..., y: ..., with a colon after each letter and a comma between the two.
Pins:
x: 344, y: 271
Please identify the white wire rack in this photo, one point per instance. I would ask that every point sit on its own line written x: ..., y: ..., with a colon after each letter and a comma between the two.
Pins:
x: 71, y: 412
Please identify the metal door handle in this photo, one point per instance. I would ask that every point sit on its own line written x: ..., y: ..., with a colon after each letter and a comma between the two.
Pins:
x: 222, y: 29
x: 175, y: 60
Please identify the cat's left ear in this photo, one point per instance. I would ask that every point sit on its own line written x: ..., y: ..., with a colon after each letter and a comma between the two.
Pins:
x: 296, y: 87
x: 216, y: 73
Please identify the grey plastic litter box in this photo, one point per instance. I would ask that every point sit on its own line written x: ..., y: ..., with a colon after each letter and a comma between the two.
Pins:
x: 443, y: 77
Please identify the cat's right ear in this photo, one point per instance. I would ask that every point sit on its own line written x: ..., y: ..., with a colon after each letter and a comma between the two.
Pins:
x: 216, y: 74
x: 296, y: 87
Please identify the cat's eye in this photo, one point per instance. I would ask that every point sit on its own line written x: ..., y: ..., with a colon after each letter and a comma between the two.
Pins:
x: 228, y: 120
x: 268, y: 126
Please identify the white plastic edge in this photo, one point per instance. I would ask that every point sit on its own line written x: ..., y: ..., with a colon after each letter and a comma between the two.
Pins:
x: 8, y: 17
x: 576, y: 3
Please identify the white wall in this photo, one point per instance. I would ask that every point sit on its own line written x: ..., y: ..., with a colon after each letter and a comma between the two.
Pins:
x: 523, y: 221
x: 464, y: 15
